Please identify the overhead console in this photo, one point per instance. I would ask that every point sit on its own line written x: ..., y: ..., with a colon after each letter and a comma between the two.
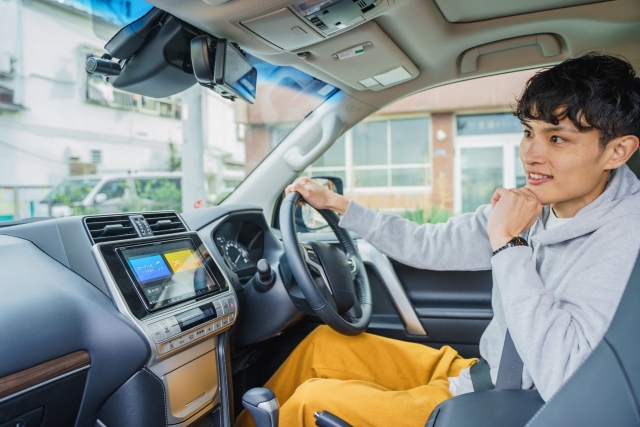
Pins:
x: 339, y: 38
x: 163, y: 278
x: 310, y: 21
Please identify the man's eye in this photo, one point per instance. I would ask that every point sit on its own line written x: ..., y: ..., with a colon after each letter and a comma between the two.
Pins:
x: 556, y: 139
x: 527, y: 134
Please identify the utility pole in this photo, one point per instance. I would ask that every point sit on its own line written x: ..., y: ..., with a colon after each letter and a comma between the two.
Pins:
x: 193, y: 191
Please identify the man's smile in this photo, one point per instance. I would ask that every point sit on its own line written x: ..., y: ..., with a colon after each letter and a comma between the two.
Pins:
x: 536, y: 178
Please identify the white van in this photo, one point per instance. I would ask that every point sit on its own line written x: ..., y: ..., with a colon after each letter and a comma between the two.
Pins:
x: 90, y: 194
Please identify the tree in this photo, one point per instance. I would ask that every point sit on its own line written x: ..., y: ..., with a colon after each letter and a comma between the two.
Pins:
x: 175, y: 158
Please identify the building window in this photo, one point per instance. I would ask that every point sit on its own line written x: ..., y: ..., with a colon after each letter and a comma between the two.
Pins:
x: 487, y: 157
x: 96, y: 156
x: 382, y: 154
x: 487, y: 124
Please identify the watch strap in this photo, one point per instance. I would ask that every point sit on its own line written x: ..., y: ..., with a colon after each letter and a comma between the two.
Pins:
x: 516, y: 241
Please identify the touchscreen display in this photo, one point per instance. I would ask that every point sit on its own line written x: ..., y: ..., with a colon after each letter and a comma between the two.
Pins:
x: 168, y: 272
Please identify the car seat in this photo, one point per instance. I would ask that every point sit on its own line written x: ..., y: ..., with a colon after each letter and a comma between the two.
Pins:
x: 604, y: 391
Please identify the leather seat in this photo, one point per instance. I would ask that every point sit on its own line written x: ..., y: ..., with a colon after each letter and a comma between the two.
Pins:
x: 604, y: 391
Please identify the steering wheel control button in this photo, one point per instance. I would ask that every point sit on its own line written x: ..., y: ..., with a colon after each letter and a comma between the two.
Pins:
x: 156, y: 332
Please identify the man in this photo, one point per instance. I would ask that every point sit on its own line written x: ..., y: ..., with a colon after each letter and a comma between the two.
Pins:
x: 561, y: 249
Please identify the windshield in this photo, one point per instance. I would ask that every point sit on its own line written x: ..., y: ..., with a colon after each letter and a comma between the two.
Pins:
x: 62, y: 130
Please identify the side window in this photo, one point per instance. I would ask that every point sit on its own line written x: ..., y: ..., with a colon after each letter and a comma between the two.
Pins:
x: 434, y: 154
x: 114, y: 189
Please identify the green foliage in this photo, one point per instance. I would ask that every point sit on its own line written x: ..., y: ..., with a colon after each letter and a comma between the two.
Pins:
x: 431, y: 215
x: 175, y: 158
x: 156, y: 194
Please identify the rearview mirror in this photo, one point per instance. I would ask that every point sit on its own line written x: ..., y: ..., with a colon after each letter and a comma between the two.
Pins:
x: 221, y: 67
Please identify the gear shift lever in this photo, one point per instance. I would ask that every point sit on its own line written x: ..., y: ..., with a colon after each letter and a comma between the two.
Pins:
x: 263, y: 406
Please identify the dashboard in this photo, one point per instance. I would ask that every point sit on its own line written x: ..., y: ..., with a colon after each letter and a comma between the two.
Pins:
x: 136, y: 310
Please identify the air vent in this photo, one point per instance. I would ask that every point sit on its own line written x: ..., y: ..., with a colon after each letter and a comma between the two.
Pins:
x: 162, y: 223
x: 110, y: 228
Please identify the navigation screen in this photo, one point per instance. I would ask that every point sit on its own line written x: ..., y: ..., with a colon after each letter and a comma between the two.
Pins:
x: 167, y: 273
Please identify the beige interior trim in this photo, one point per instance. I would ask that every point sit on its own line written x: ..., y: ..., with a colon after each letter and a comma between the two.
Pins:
x: 474, y: 10
x: 381, y: 55
x: 547, y: 42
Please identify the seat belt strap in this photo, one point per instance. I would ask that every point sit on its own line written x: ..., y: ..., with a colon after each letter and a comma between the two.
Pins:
x: 511, y: 366
x: 480, y: 373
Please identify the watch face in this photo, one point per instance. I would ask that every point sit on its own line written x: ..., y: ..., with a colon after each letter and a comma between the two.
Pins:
x: 519, y: 241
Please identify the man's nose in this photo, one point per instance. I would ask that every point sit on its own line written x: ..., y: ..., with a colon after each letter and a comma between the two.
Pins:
x: 533, y: 152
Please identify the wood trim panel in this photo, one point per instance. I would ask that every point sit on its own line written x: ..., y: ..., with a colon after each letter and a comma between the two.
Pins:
x: 46, y: 371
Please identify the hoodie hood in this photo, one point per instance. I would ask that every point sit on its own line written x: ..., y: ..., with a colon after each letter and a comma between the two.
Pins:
x: 619, y: 199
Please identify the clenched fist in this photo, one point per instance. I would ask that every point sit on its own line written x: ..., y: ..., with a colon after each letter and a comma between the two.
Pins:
x: 318, y: 196
x: 514, y: 212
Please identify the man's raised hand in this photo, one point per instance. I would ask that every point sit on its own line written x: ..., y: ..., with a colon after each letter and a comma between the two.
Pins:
x: 513, y: 212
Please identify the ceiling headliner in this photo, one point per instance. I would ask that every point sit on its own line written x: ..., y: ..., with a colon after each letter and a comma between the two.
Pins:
x: 434, y: 44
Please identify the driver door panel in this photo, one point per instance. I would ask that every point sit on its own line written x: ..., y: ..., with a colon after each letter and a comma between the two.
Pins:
x: 452, y: 307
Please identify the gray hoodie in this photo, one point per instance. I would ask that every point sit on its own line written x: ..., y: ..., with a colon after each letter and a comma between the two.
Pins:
x: 558, y: 306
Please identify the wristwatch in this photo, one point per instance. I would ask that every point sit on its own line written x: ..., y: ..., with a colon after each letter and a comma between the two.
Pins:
x: 516, y: 241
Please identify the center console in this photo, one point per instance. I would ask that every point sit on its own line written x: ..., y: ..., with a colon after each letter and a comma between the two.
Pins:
x: 176, y: 294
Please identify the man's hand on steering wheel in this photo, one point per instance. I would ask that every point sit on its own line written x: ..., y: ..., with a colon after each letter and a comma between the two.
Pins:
x: 318, y: 196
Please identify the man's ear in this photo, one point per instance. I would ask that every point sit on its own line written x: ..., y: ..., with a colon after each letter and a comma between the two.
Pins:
x: 622, y: 148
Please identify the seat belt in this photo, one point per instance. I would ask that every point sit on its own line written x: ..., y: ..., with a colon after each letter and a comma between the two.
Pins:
x: 511, y: 366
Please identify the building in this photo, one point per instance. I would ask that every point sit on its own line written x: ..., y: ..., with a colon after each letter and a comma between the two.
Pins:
x: 57, y: 121
x: 446, y: 148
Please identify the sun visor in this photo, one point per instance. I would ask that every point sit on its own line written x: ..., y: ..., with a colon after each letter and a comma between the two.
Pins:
x: 364, y: 58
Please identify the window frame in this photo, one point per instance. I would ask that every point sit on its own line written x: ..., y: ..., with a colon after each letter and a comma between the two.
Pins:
x: 349, y: 168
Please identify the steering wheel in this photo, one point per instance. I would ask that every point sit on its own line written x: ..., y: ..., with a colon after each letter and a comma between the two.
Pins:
x: 334, y: 282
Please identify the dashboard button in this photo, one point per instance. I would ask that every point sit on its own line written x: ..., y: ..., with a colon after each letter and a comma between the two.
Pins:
x: 232, y: 317
x: 225, y: 321
x: 218, y: 324
x: 156, y: 332
x: 217, y: 304
x: 191, y: 336
x: 200, y: 333
x: 225, y: 303
x: 232, y: 304
x: 181, y: 340
x: 167, y: 347
x: 209, y: 329
x: 166, y: 327
x: 220, y: 312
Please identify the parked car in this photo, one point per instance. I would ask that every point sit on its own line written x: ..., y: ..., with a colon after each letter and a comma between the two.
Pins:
x: 91, y: 194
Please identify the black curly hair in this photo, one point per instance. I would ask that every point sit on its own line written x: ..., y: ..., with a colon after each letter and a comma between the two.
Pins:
x: 594, y: 91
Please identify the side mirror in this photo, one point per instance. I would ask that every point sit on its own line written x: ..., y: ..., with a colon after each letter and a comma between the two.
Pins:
x: 99, y: 198
x: 332, y: 183
x: 307, y: 218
